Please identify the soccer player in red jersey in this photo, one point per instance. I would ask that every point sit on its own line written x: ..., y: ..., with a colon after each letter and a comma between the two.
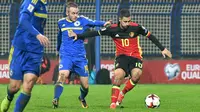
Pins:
x: 128, y: 59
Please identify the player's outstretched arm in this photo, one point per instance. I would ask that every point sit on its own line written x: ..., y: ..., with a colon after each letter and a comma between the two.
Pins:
x: 164, y: 51
x: 94, y: 23
x: 89, y: 34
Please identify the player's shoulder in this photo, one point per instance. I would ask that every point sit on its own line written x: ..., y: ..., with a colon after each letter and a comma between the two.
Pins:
x: 84, y: 18
x: 61, y: 20
x: 134, y: 24
x: 114, y: 25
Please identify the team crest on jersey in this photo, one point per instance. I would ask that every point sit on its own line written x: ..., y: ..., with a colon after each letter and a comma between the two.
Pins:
x: 11, y: 73
x: 131, y: 34
x: 77, y: 23
x: 60, y: 66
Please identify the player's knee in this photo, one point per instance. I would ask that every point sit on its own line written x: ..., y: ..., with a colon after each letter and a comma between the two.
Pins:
x: 28, y: 85
x: 27, y: 88
x: 135, y: 78
x: 136, y: 72
x: 62, y: 77
x: 85, y: 87
x: 119, y: 73
x: 118, y: 80
x: 14, y: 88
x: 118, y: 77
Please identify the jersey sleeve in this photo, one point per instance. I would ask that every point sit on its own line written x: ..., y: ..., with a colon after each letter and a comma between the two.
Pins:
x: 26, y: 14
x: 88, y: 34
x: 59, y: 39
x: 93, y: 23
x: 144, y: 31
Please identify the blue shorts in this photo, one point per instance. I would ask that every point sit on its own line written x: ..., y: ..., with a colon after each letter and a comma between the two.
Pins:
x: 22, y: 62
x: 76, y: 64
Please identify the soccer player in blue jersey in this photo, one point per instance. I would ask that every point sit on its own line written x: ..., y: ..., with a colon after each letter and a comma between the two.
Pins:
x: 26, y: 53
x: 72, y: 53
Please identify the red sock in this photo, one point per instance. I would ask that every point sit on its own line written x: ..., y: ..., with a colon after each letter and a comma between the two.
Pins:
x: 129, y: 85
x: 115, y: 94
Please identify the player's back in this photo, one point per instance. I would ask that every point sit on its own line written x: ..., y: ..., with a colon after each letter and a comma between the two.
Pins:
x: 69, y: 46
x: 32, y: 20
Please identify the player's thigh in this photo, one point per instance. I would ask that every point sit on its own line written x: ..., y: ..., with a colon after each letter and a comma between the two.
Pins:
x: 121, y: 65
x: 32, y: 64
x: 14, y: 85
x: 84, y: 81
x: 63, y: 74
x: 119, y: 73
x: 17, y: 60
x: 65, y: 62
x: 81, y: 67
x: 29, y: 81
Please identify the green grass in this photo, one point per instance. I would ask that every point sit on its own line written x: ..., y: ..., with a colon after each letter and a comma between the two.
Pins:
x: 174, y: 98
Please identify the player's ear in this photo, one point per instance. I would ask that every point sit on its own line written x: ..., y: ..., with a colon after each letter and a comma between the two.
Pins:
x: 67, y: 11
x: 120, y: 19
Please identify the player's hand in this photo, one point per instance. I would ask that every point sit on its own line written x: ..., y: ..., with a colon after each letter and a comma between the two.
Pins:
x: 167, y: 53
x: 108, y: 23
x: 72, y: 34
x: 43, y: 40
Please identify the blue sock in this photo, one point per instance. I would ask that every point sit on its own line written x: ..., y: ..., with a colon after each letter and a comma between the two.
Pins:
x: 21, y: 102
x: 58, y: 90
x: 84, y: 92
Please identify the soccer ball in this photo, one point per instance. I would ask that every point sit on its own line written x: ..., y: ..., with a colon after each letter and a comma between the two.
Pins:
x: 152, y: 101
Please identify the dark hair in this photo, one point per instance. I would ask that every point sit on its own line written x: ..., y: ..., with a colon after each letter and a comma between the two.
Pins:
x: 124, y: 13
x: 72, y: 4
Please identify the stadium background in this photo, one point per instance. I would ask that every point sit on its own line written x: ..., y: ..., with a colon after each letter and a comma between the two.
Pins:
x: 176, y: 23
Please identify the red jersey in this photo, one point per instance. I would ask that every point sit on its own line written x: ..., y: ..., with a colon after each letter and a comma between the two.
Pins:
x: 127, y: 41
x: 129, y: 47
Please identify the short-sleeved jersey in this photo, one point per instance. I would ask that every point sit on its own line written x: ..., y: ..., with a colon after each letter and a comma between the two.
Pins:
x: 32, y: 20
x: 127, y: 40
x: 67, y: 45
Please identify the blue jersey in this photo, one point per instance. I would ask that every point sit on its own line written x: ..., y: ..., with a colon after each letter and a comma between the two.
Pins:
x: 66, y: 45
x: 32, y: 20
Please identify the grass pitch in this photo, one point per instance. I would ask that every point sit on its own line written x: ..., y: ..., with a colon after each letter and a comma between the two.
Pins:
x: 174, y: 98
